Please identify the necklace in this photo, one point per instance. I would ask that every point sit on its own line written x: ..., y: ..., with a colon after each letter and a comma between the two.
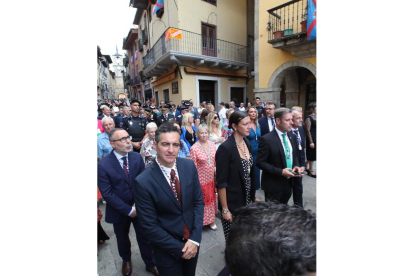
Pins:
x: 207, y: 152
x: 243, y: 149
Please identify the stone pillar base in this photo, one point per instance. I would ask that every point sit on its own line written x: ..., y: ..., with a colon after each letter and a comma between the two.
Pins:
x: 268, y: 95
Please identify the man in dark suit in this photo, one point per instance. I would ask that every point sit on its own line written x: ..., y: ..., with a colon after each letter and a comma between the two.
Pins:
x: 175, y: 111
x: 106, y: 112
x: 170, y: 205
x: 116, y: 173
x: 278, y: 158
x: 299, y: 134
x: 166, y: 116
x: 267, y: 123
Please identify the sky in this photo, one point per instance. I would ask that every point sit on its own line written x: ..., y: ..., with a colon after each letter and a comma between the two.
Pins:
x: 115, y: 21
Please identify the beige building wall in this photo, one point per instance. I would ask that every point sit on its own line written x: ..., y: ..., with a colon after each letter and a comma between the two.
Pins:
x: 269, y: 58
x: 229, y: 16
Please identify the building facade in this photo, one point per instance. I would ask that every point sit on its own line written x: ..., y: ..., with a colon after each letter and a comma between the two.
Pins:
x: 195, y: 49
x: 285, y: 61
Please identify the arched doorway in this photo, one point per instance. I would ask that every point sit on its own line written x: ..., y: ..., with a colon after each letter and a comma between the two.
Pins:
x: 292, y: 84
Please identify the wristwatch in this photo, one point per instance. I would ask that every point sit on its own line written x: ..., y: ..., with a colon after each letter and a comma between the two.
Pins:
x: 225, y: 211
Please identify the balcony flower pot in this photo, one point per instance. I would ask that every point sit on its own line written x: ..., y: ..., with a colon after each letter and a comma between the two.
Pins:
x: 277, y: 34
x: 303, y: 24
x: 287, y: 32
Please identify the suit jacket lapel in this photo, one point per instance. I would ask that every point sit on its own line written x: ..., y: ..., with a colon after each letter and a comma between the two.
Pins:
x: 160, y: 179
x: 183, y: 180
x: 117, y: 166
x: 133, y: 167
x: 281, y: 150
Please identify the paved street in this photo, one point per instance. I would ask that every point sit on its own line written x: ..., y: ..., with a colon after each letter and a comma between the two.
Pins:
x: 211, y: 258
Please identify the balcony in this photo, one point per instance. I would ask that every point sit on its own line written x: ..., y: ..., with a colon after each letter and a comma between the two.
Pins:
x: 287, y: 29
x: 197, y: 48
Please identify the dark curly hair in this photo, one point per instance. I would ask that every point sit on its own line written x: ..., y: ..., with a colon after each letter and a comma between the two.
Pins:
x: 268, y: 238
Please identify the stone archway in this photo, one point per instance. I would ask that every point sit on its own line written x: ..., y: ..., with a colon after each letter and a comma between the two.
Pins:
x: 285, y: 73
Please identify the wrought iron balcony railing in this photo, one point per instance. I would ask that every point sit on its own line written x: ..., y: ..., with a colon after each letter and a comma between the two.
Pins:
x: 287, y: 19
x: 193, y: 43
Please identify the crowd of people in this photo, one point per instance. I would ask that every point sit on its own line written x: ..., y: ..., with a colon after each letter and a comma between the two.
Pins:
x: 169, y: 169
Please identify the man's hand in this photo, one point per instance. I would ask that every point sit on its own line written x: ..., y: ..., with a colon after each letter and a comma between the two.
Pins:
x: 189, y: 250
x: 312, y: 145
x: 297, y: 171
x: 301, y: 170
x: 136, y: 145
x: 287, y: 172
x: 134, y: 213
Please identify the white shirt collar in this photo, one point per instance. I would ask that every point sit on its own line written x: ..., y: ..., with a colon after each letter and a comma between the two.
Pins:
x: 118, y: 156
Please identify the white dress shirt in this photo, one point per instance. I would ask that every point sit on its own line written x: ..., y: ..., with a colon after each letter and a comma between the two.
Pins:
x: 270, y: 121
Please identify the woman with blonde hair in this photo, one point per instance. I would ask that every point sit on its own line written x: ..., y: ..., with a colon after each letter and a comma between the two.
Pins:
x: 203, y: 153
x: 213, y: 124
x: 254, y: 138
x: 188, y: 131
x: 210, y: 107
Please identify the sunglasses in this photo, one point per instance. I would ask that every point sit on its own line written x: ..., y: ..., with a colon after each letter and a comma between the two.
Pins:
x: 215, y: 117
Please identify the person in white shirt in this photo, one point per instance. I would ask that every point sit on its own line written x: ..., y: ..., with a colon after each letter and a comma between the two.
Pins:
x: 241, y: 108
x: 222, y: 112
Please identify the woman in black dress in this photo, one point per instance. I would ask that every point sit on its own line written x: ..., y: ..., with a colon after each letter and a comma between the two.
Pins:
x: 234, y: 170
x: 310, y: 129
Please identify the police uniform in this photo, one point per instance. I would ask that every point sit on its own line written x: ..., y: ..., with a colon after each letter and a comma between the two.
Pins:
x: 135, y: 126
x: 162, y: 118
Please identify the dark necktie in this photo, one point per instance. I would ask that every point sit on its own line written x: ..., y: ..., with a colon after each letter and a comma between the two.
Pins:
x: 176, y: 187
x: 166, y: 117
x: 273, y: 122
x: 296, y: 132
x: 125, y: 166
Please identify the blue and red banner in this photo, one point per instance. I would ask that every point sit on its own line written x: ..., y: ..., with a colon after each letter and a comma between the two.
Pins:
x: 159, y: 5
x: 311, y: 24
x: 132, y: 59
x: 136, y: 54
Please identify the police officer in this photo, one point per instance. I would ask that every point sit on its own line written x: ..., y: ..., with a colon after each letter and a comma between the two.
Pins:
x: 184, y: 110
x: 165, y: 116
x: 149, y: 115
x: 135, y: 124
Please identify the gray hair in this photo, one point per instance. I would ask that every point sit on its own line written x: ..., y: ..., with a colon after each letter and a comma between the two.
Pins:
x: 126, y: 107
x: 111, y: 134
x: 200, y: 128
x: 103, y: 106
x: 151, y: 125
x: 106, y: 119
x: 280, y: 112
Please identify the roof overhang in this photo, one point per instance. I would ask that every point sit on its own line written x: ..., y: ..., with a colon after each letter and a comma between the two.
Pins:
x: 131, y: 37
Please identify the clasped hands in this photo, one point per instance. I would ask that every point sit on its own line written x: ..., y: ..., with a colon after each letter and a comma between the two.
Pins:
x: 295, y: 172
x: 189, y: 250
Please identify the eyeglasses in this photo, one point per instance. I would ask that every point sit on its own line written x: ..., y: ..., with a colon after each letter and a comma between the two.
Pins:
x: 123, y: 139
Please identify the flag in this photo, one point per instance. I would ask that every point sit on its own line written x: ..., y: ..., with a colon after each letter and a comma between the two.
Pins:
x: 136, y: 54
x: 158, y: 6
x: 311, y: 24
x: 132, y: 59
x: 173, y: 33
